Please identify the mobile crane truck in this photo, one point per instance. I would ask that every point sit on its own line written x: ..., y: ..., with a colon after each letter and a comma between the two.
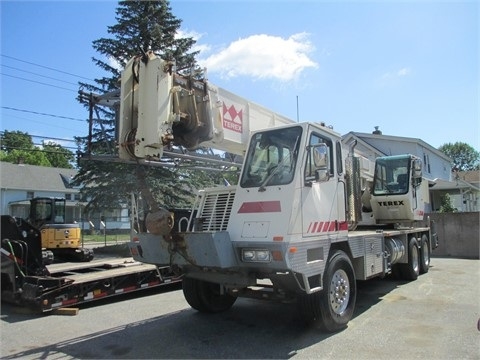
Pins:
x: 308, y: 218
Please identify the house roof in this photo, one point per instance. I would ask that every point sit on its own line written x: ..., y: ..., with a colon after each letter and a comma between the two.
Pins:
x: 472, y: 177
x: 36, y: 178
x: 370, y: 139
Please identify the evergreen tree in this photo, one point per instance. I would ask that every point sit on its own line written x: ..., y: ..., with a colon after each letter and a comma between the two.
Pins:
x: 446, y: 204
x: 464, y: 157
x: 142, y: 26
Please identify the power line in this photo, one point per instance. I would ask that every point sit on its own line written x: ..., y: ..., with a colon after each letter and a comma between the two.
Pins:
x: 44, y: 114
x: 42, y: 150
x: 43, y: 137
x: 38, y: 82
x: 52, y: 138
x: 46, y: 67
x: 37, y: 74
x: 42, y: 122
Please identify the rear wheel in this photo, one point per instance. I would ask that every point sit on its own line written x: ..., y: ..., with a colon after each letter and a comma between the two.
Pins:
x: 332, y: 308
x: 424, y: 254
x: 205, y: 296
x: 411, y: 270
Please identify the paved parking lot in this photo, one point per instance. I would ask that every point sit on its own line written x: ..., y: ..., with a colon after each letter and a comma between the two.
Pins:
x: 435, y: 317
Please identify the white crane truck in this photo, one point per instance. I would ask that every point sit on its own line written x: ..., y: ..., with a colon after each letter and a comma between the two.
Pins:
x: 308, y: 218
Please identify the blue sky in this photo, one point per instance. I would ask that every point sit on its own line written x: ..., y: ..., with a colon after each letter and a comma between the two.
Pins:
x: 409, y: 67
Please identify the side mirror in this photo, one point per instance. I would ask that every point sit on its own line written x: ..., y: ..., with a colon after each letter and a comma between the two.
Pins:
x: 322, y: 175
x: 417, y: 168
x: 318, y: 164
x: 417, y: 172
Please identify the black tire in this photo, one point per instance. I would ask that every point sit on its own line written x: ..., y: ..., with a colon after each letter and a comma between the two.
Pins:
x: 331, y: 309
x: 424, y: 254
x: 411, y: 270
x: 205, y: 297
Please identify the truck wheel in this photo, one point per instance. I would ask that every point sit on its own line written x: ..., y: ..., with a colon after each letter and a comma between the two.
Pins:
x: 205, y: 297
x: 424, y: 254
x: 411, y: 270
x: 332, y: 308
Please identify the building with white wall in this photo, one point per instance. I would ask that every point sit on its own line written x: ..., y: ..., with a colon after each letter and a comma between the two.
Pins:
x: 20, y: 182
x: 437, y: 168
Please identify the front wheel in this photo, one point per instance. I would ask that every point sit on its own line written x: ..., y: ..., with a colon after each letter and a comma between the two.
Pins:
x: 205, y: 296
x: 332, y: 308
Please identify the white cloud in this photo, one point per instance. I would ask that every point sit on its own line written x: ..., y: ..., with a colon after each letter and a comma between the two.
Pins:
x: 263, y: 57
x: 195, y: 36
x: 114, y: 63
x: 396, y: 74
x: 403, y: 72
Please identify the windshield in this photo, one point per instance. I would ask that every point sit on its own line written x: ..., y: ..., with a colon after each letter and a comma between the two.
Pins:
x: 391, y: 176
x: 271, y: 158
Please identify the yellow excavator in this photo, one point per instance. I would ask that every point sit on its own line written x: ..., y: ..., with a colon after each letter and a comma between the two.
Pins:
x: 60, y: 240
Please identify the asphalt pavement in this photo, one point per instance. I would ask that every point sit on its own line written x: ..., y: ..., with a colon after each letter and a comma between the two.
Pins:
x: 434, y: 317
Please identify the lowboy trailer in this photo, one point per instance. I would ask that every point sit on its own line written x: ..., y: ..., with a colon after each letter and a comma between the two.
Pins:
x: 26, y: 281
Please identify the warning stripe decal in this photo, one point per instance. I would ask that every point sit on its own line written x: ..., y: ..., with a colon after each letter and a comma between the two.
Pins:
x: 96, y: 295
x: 11, y: 256
x: 326, y: 226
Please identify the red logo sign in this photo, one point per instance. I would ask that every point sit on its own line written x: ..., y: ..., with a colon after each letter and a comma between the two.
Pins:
x: 232, y: 119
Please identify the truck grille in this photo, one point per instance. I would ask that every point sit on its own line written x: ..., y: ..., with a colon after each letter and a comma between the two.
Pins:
x: 214, y: 208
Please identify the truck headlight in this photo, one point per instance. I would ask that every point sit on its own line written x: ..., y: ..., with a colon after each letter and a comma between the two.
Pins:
x: 256, y: 255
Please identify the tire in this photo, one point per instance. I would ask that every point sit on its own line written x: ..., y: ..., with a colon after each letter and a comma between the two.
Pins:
x: 424, y: 254
x: 411, y: 270
x: 205, y: 297
x: 331, y: 309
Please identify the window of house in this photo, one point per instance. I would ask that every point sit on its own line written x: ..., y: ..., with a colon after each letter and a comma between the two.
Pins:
x: 68, y: 196
x: 30, y: 194
x: 426, y: 163
x: 77, y: 197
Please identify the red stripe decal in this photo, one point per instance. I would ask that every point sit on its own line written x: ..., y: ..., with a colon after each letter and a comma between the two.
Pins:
x: 332, y: 226
x: 320, y: 226
x: 69, y: 302
x: 259, y: 207
x: 325, y: 226
x: 343, y: 225
x: 328, y: 226
x: 130, y: 288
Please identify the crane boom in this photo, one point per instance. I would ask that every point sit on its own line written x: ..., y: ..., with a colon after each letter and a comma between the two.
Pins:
x: 171, y: 109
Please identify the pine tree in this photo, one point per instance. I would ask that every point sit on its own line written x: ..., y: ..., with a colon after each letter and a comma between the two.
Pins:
x: 446, y: 204
x: 464, y: 157
x: 142, y: 26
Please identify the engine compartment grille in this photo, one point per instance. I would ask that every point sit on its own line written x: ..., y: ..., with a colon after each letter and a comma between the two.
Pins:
x: 214, y: 209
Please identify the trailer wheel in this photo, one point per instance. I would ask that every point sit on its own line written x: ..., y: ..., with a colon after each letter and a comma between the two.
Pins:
x: 411, y: 270
x: 205, y: 297
x: 332, y: 308
x: 424, y: 254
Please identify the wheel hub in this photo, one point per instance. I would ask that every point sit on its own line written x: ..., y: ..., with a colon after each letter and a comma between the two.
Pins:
x: 339, y: 292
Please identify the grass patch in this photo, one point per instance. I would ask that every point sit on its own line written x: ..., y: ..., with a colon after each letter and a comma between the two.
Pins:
x: 109, y: 239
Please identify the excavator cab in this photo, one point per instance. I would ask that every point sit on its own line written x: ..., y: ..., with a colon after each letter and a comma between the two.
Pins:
x: 47, y: 211
x: 63, y: 239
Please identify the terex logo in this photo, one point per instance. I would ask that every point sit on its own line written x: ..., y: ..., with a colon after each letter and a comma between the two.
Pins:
x: 390, y: 203
x: 232, y: 118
